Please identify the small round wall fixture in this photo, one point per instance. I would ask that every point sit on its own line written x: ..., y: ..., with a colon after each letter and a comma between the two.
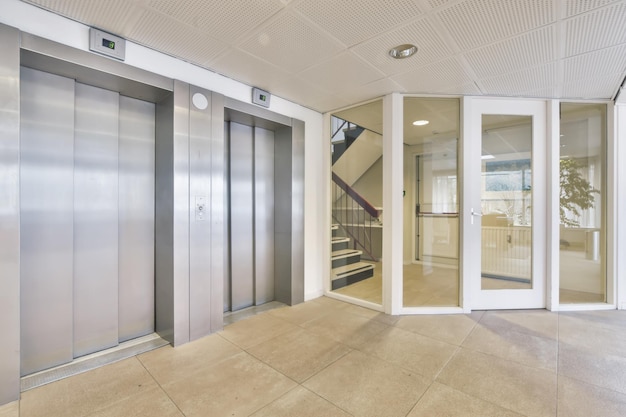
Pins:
x: 200, y: 101
x: 420, y: 123
x: 403, y: 51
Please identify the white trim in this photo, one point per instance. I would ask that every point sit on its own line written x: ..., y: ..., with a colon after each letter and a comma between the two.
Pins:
x: 619, y: 126
x: 355, y: 301
x: 610, y: 211
x: 432, y: 310
x: 553, y: 221
x: 467, y: 251
x: 520, y: 298
x: 585, y: 307
x: 393, y: 179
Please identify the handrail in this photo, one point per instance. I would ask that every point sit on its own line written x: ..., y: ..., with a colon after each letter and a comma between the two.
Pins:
x: 369, y: 209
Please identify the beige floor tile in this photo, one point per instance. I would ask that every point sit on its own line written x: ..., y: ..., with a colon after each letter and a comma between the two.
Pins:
x: 300, y: 402
x: 366, y: 386
x: 299, y: 354
x: 330, y: 302
x: 541, y: 323
x: 235, y: 387
x: 10, y: 410
x: 452, y: 328
x: 86, y: 393
x: 443, y: 401
x: 599, y: 369
x: 604, y: 318
x: 152, y: 403
x: 411, y: 351
x: 577, y: 399
x: 525, y: 390
x: 302, y: 313
x: 513, y: 345
x: 578, y: 331
x: 350, y: 329
x: 254, y: 330
x: 168, y: 364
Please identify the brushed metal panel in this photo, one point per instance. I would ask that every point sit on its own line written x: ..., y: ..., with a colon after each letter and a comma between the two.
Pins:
x: 46, y: 199
x: 164, y: 216
x: 9, y: 214
x: 241, y: 216
x: 283, y: 206
x: 89, y: 68
x: 180, y: 171
x: 199, y: 216
x: 136, y: 218
x: 297, y: 212
x: 263, y: 215
x: 227, y: 294
x: 218, y: 212
x: 95, y: 219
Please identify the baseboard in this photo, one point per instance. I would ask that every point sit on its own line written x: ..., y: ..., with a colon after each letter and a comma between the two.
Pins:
x: 313, y: 295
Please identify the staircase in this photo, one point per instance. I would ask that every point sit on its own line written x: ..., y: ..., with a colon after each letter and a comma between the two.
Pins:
x: 347, y: 267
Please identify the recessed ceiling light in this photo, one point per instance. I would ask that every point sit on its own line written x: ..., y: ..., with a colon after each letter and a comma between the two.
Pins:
x: 488, y: 156
x: 420, y: 122
x: 403, y: 51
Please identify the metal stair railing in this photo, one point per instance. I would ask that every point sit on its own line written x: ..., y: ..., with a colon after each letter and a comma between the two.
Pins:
x: 355, y: 215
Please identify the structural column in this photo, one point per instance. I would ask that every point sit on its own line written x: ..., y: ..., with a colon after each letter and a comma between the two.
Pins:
x: 9, y: 214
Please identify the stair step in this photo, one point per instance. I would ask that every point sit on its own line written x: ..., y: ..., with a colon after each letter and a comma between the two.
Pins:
x: 345, y: 257
x: 334, y: 227
x: 339, y: 243
x: 350, y: 274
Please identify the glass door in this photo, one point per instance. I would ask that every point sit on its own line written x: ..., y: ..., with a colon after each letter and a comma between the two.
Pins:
x: 506, y: 204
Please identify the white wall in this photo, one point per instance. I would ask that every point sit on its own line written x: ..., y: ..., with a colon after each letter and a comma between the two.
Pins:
x: 47, y: 25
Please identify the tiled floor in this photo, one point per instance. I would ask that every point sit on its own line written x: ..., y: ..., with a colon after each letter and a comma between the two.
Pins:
x: 327, y: 358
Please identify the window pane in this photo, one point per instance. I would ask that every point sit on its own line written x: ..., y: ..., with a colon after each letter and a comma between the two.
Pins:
x: 581, y: 211
x: 357, y: 198
x: 431, y: 206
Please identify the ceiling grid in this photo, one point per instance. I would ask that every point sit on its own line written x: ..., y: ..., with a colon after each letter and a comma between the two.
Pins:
x: 326, y: 54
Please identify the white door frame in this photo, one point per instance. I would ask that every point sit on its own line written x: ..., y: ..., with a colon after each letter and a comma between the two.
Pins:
x: 473, y: 296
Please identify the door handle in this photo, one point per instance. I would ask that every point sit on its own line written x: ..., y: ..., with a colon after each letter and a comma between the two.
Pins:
x: 474, y: 213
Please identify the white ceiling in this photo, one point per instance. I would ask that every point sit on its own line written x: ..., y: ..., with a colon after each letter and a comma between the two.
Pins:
x: 327, y: 54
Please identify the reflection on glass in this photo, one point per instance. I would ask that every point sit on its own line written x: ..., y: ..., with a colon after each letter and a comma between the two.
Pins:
x: 506, y: 202
x: 582, y: 232
x: 357, y: 197
x: 431, y: 208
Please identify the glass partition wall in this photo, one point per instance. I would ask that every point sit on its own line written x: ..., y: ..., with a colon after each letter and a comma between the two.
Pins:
x: 357, y: 202
x: 431, y: 203
x: 509, y: 146
x: 582, y: 236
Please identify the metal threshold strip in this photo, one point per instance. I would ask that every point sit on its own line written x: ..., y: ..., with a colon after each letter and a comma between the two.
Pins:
x: 86, y: 363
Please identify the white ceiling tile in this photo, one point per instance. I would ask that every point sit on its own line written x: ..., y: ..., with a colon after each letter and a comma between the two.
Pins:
x: 431, y: 47
x: 374, y: 89
x: 438, y: 3
x: 519, y: 82
x: 291, y: 43
x: 593, y: 88
x: 241, y: 66
x: 112, y: 15
x: 224, y: 20
x: 297, y: 90
x: 597, y: 63
x: 528, y: 50
x: 342, y: 73
x: 434, y: 78
x: 595, y: 30
x: 353, y: 23
x: 574, y: 7
x: 177, y: 39
x: 469, y: 89
x: 474, y: 23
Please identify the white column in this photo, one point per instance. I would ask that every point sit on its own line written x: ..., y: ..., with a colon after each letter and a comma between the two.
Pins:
x: 392, y: 202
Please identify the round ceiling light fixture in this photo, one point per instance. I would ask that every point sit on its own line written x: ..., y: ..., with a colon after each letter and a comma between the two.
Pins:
x: 420, y: 122
x: 403, y: 51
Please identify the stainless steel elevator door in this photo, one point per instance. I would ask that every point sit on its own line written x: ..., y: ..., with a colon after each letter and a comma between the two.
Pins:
x: 87, y: 219
x: 95, y: 219
x: 251, y: 216
x: 136, y: 218
x: 46, y: 219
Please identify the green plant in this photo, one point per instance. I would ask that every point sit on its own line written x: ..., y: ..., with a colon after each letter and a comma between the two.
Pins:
x: 577, y: 194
